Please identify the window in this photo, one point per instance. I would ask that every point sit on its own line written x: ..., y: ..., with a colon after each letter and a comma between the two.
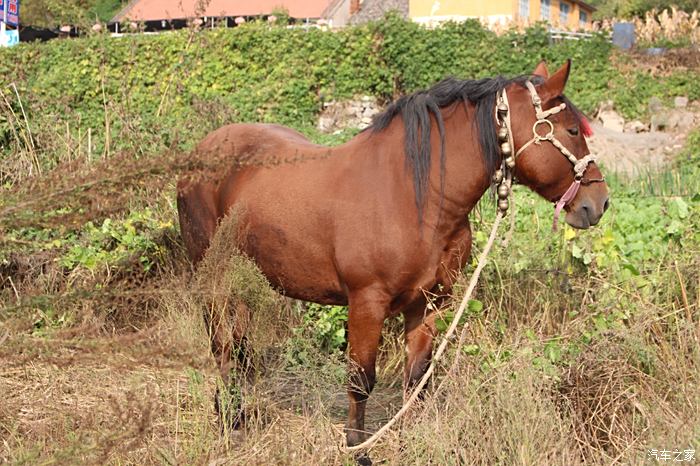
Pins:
x: 544, y: 9
x: 563, y: 13
x: 524, y: 9
x: 583, y: 18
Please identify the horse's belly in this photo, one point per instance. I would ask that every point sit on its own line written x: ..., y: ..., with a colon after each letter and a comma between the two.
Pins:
x: 296, y: 268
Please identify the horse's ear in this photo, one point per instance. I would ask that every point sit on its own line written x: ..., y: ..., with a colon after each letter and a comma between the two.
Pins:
x: 554, y: 85
x: 541, y: 70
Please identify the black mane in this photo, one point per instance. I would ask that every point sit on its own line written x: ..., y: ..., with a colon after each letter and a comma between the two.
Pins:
x: 416, y: 110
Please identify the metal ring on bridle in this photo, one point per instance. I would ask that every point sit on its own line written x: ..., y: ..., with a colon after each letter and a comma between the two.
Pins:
x: 548, y: 135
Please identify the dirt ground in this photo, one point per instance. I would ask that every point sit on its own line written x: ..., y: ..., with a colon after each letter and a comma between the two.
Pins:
x: 83, y: 396
x: 636, y: 154
x: 81, y: 399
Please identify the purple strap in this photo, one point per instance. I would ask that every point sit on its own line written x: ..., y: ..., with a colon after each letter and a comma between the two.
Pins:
x: 565, y: 199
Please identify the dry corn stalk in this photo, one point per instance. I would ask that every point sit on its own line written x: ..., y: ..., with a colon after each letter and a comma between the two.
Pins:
x: 671, y: 25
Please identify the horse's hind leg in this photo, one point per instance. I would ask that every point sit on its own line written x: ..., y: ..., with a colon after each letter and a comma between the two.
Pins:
x: 227, y: 325
x: 226, y: 322
x: 199, y: 217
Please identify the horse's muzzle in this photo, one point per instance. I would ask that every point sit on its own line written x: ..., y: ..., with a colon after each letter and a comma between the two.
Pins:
x: 587, y: 213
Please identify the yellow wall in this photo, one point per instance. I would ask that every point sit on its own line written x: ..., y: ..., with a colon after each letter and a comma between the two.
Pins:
x: 420, y: 9
x: 554, y: 12
x: 572, y: 18
x: 424, y: 8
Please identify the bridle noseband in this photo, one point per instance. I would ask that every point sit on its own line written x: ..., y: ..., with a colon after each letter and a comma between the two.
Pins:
x: 504, y: 175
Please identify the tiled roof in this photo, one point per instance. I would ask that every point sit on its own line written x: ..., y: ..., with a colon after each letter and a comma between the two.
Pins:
x: 587, y: 6
x: 376, y: 9
x: 154, y: 10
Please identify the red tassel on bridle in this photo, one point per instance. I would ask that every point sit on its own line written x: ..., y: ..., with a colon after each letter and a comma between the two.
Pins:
x: 586, y: 127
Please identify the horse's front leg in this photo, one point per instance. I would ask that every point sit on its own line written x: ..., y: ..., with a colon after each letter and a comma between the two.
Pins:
x: 367, y: 311
x: 419, y: 332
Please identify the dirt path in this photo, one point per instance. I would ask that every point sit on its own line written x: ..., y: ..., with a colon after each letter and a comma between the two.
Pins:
x: 147, y: 398
x: 634, y: 153
x: 89, y: 399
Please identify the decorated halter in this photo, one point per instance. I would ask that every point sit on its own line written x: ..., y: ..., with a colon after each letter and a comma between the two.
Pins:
x: 504, y: 175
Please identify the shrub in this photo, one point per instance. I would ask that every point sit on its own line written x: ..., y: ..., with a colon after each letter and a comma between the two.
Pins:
x: 143, y: 94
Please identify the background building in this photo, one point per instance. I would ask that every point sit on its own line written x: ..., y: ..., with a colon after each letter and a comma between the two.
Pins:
x: 572, y: 14
x: 168, y: 10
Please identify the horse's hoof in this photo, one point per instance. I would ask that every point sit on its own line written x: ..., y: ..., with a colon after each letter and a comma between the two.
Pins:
x: 354, y: 437
x: 230, y: 418
x: 363, y: 459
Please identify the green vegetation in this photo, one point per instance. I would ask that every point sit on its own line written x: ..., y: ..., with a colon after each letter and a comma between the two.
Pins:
x: 152, y: 93
x: 113, y: 242
x: 53, y: 13
x: 629, y: 8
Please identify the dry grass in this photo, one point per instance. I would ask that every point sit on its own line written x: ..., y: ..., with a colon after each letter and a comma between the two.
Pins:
x: 145, y: 397
x: 127, y: 377
x: 83, y: 400
x: 670, y: 25
x: 113, y: 384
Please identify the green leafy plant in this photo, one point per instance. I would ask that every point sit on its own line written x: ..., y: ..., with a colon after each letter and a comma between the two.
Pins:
x: 445, y: 319
x: 114, y: 242
x: 326, y: 325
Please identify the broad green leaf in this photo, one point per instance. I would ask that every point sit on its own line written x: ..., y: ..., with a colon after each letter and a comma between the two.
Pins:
x: 576, y: 251
x: 475, y: 306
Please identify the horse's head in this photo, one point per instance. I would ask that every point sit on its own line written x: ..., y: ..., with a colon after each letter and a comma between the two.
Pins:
x: 549, y: 149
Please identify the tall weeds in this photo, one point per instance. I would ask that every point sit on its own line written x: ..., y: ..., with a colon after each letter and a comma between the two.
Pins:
x: 668, y: 26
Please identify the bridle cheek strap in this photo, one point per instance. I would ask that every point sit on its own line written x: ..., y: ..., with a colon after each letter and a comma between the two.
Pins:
x: 568, y: 196
x: 579, y: 169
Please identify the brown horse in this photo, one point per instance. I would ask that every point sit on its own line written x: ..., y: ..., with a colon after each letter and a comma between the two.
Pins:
x: 379, y: 220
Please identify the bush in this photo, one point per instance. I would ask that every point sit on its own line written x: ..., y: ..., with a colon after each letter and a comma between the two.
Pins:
x: 143, y: 94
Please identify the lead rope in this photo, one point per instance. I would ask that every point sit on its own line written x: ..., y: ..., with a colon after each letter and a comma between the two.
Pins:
x: 504, y: 178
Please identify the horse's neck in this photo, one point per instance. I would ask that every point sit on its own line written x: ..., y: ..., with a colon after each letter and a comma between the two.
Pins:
x: 466, y: 176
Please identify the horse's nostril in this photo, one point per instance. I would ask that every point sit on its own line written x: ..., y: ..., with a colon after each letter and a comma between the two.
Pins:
x: 606, y: 205
x: 587, y: 214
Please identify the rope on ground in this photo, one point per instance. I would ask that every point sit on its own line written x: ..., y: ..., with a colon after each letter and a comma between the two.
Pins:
x: 443, y: 344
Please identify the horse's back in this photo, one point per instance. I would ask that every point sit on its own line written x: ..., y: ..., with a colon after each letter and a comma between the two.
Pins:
x: 248, y: 142
x: 237, y: 159
x: 283, y: 202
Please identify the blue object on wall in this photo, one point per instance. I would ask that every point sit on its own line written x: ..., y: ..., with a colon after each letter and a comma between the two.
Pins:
x: 9, y: 38
x: 623, y: 35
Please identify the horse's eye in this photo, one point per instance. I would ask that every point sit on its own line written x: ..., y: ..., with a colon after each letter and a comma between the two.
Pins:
x: 573, y: 131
